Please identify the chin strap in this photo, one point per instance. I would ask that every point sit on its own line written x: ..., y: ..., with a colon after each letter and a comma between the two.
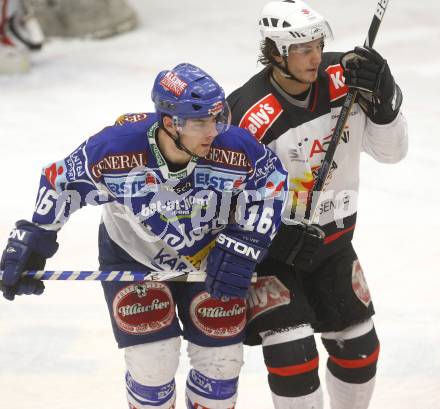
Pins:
x: 285, y: 71
x: 179, y: 145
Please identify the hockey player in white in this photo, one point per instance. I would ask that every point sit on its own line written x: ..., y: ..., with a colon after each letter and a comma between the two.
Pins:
x: 292, y: 105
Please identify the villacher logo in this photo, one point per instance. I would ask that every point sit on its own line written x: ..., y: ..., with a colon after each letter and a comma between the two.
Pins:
x: 143, y: 308
x: 218, y: 318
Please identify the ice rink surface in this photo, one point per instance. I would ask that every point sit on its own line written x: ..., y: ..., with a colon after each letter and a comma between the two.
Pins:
x: 57, y: 351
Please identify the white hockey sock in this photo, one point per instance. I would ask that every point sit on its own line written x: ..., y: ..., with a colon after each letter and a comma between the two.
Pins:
x: 345, y: 395
x: 311, y: 401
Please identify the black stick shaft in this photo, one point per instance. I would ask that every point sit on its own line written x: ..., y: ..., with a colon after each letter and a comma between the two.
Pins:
x: 326, y: 165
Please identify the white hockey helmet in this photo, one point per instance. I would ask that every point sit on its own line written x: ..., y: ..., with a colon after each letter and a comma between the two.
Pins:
x: 292, y: 22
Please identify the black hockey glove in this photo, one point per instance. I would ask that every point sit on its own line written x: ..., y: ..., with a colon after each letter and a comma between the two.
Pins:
x: 28, y: 248
x: 297, y: 244
x: 379, y: 96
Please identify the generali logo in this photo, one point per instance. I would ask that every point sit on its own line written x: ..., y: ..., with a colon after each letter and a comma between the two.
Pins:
x: 228, y: 157
x: 121, y: 162
x: 260, y: 117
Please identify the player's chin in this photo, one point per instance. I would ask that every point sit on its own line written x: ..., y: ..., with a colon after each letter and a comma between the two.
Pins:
x: 311, y: 76
x: 203, y: 150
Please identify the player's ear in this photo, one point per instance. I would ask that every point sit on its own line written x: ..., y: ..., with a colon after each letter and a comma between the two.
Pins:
x: 167, y: 123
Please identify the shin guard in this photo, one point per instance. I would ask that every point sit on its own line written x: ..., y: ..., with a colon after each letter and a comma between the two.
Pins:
x: 351, y: 367
x: 292, y: 361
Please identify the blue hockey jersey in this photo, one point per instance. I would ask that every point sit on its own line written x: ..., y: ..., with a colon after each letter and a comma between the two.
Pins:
x: 166, y: 220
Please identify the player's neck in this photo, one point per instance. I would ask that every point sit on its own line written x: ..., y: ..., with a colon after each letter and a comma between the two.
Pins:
x: 169, y: 150
x: 291, y: 86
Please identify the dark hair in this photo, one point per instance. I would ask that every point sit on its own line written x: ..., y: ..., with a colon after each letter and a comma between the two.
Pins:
x: 268, y: 50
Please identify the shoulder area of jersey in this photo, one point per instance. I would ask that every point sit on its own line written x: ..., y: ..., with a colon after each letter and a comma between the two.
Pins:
x: 252, y: 88
x: 235, y: 149
x: 332, y: 71
x: 236, y: 137
x: 132, y: 119
x: 128, y: 128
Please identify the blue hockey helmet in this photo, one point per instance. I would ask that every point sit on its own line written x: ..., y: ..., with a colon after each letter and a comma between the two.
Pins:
x: 186, y: 92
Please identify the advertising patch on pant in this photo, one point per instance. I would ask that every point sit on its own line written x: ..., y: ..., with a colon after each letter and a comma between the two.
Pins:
x: 359, y: 284
x: 143, y: 308
x: 218, y: 318
x: 265, y: 295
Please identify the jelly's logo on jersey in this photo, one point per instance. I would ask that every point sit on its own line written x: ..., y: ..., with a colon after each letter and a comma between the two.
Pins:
x: 336, y: 83
x: 206, y: 177
x: 359, y: 284
x: 122, y: 162
x: 132, y: 118
x: 266, y: 294
x: 261, y: 116
x: 305, y: 11
x: 53, y: 172
x: 143, y: 310
x: 218, y: 318
x: 76, y: 164
x: 228, y: 157
x: 171, y: 82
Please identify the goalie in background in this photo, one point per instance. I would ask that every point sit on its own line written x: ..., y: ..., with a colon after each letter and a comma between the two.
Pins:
x: 24, y: 25
x: 20, y: 32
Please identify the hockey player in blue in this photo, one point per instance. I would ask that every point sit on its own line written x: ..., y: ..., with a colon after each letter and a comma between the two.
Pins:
x: 181, y: 190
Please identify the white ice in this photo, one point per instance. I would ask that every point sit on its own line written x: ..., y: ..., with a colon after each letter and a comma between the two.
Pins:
x: 57, y: 351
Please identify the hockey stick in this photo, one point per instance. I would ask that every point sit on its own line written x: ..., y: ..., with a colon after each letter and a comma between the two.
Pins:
x: 324, y: 171
x: 66, y: 275
x: 118, y: 276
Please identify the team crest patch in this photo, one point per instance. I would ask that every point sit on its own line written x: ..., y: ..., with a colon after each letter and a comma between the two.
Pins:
x: 130, y: 118
x: 359, y: 284
x: 143, y: 308
x: 265, y: 295
x: 218, y: 318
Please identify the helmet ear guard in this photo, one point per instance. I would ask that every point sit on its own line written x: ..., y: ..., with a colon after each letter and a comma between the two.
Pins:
x: 292, y: 22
